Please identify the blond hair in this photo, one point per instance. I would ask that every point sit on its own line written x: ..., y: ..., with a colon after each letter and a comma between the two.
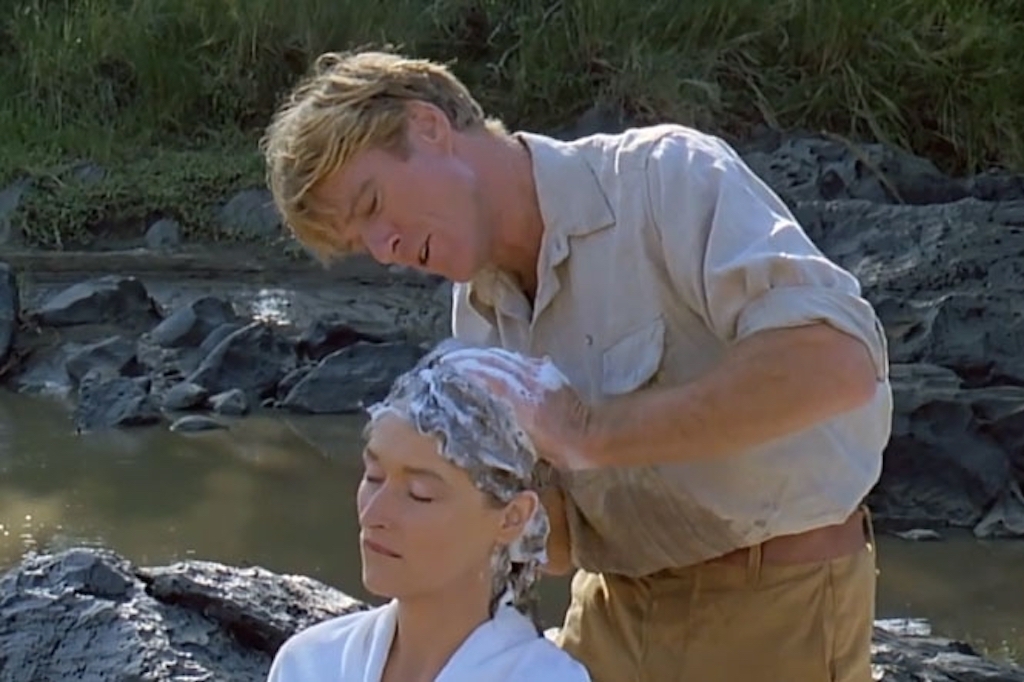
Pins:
x: 350, y: 102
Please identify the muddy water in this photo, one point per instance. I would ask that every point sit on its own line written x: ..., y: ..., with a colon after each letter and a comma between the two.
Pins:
x: 278, y: 492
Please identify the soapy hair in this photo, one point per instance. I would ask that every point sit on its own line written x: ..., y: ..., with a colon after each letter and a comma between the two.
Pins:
x: 478, y: 433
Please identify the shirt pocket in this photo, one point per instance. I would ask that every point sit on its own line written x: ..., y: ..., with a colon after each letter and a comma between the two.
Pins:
x: 634, y: 359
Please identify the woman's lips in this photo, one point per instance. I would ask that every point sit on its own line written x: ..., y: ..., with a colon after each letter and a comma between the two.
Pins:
x: 380, y: 549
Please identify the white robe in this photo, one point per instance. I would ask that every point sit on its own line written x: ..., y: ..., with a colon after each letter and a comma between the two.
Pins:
x: 354, y: 648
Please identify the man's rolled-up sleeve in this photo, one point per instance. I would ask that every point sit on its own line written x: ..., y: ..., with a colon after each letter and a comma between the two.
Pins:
x: 736, y: 255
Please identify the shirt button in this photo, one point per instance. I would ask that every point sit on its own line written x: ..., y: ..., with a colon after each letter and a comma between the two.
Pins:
x: 589, y: 340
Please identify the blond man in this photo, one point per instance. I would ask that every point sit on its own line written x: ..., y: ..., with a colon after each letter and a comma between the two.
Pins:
x: 730, y: 398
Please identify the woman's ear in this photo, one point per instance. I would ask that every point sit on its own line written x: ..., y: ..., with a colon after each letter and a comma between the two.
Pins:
x: 516, y: 515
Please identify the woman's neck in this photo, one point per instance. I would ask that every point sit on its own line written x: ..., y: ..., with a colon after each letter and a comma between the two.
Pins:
x: 429, y: 631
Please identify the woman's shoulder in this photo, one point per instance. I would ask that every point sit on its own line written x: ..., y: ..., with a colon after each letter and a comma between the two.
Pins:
x: 320, y: 647
x: 544, y: 661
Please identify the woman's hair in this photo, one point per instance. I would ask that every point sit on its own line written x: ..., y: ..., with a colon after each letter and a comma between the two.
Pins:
x: 479, y: 434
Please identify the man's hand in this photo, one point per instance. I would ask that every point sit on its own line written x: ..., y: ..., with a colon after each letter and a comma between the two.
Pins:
x: 547, y: 407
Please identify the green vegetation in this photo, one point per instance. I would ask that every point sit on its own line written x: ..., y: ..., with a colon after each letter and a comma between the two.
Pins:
x: 171, y: 95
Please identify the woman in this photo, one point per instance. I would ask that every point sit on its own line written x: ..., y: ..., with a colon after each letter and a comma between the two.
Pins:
x: 451, y: 533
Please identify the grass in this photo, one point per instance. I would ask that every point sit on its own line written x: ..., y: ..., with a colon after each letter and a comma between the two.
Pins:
x: 171, y: 95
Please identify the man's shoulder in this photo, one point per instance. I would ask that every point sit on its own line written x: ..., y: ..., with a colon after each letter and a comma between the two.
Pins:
x: 635, y: 148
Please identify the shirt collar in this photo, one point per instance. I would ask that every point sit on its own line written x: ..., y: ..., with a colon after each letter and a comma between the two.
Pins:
x: 572, y: 204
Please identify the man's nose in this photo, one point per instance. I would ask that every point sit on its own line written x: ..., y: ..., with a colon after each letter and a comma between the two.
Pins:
x: 383, y: 241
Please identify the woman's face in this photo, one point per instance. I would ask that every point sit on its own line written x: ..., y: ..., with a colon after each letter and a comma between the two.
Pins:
x: 424, y: 527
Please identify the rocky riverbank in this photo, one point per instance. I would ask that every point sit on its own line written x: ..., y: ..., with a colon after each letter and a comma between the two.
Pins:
x: 90, y: 615
x: 941, y: 258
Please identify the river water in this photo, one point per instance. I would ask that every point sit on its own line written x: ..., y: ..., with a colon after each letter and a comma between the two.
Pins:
x: 279, y: 492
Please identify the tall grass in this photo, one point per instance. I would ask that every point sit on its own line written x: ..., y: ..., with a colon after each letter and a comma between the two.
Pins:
x: 108, y: 78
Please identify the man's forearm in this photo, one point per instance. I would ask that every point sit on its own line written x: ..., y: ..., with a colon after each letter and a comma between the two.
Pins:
x: 770, y: 385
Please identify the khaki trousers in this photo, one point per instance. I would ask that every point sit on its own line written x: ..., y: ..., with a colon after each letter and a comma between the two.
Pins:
x: 719, y: 622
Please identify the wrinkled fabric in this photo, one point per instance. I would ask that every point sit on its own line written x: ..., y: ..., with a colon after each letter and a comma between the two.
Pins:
x: 661, y: 250
x: 355, y: 647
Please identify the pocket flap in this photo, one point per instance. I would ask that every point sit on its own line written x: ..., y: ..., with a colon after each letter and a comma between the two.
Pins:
x: 632, y: 361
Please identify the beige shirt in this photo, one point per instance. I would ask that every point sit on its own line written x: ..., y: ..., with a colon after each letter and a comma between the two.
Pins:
x: 662, y: 249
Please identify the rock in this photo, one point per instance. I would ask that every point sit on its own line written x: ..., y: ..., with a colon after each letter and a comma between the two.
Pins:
x: 10, y: 308
x: 184, y: 395
x: 253, y: 358
x: 88, y: 173
x: 233, y: 403
x: 1005, y: 519
x: 817, y: 167
x: 350, y: 378
x: 939, y: 464
x: 250, y: 214
x: 193, y: 423
x: 190, y: 324
x: 106, y: 402
x: 163, y: 235
x: 10, y: 200
x: 88, y: 615
x: 902, y: 658
x: 220, y: 333
x: 114, y: 355
x: 325, y: 336
x: 262, y: 609
x: 946, y: 281
x: 107, y: 300
x: 919, y: 535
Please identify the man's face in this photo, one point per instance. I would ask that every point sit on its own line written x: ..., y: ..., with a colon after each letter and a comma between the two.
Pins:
x: 423, y: 211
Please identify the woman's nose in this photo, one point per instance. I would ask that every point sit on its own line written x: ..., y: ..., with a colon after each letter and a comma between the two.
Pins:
x: 375, y: 508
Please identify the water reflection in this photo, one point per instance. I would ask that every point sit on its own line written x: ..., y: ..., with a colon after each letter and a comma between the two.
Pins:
x: 280, y: 493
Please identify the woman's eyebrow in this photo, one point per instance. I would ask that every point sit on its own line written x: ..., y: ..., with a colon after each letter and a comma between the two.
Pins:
x: 370, y: 456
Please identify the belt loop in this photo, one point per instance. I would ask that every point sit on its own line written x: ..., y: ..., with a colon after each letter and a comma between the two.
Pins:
x: 869, y: 527
x: 754, y: 560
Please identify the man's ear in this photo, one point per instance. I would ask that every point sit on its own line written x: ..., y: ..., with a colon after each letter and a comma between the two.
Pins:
x: 517, y: 514
x: 429, y: 126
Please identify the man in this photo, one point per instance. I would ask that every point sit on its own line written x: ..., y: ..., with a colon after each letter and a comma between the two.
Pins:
x: 730, y: 398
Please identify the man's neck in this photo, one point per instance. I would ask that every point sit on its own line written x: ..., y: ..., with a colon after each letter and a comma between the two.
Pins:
x: 429, y: 631
x: 510, y: 193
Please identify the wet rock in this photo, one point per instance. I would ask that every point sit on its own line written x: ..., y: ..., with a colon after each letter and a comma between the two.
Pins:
x: 184, y: 395
x: 909, y: 658
x: 190, y: 324
x: 327, y: 335
x: 163, y: 235
x: 350, y: 378
x: 107, y: 300
x: 114, y: 355
x: 219, y: 333
x: 919, y: 535
x: 106, y: 402
x: 233, y: 403
x: 250, y: 214
x: 194, y: 423
x: 10, y: 307
x: 253, y: 358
